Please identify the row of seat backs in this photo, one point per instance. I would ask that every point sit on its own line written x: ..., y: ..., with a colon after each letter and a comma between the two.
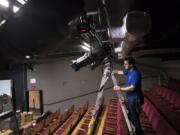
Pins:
x: 53, y: 126
x: 121, y: 127
x: 169, y: 95
x: 47, y: 121
x: 68, y: 125
x: 159, y: 123
x: 110, y: 124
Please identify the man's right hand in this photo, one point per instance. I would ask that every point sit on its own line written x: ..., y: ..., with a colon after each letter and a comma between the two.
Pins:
x: 119, y: 72
x: 115, y: 71
x: 116, y: 88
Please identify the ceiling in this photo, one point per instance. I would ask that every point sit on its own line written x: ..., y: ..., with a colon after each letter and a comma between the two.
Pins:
x: 41, y: 29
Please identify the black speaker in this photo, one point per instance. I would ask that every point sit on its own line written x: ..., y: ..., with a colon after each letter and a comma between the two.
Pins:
x: 34, y: 99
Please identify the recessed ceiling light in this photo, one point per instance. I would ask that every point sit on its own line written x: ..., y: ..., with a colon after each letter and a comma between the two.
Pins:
x: 15, y: 9
x: 27, y: 56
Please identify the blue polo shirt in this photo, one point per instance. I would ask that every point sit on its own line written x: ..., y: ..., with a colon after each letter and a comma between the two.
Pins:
x: 133, y: 77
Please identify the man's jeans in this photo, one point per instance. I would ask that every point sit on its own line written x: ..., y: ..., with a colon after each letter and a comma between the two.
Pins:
x: 134, y: 109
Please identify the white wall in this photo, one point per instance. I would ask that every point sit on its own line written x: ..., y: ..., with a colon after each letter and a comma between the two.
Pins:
x: 59, y: 81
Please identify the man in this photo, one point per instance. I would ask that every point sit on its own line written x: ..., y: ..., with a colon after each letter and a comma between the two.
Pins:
x: 134, y: 93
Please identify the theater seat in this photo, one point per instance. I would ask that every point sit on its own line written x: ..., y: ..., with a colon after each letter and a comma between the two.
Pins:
x: 159, y: 123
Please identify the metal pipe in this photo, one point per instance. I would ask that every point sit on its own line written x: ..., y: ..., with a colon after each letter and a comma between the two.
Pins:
x: 108, y: 21
x: 92, y: 13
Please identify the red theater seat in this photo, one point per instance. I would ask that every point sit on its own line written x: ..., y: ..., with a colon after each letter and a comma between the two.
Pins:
x: 171, y: 115
x: 159, y: 123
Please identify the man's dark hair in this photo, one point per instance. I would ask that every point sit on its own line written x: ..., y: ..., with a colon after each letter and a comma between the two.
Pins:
x: 131, y: 60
